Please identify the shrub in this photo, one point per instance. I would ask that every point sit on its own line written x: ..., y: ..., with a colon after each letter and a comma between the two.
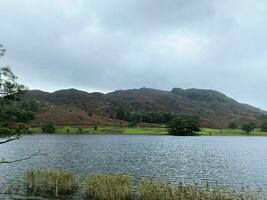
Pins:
x: 48, y: 183
x: 248, y: 127
x: 232, y: 125
x: 4, y: 132
x: 49, y: 128
x: 108, y: 187
x: 184, y: 125
x: 264, y: 126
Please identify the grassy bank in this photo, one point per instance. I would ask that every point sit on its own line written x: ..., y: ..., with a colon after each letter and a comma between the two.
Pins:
x: 64, y: 185
x: 231, y: 132
x: 107, y: 129
x: 147, y: 131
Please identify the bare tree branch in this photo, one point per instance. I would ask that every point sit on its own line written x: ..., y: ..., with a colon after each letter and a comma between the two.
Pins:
x: 10, y: 137
x: 22, y: 159
x: 9, y: 140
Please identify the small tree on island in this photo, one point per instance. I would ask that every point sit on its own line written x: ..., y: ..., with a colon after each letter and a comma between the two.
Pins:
x: 248, y: 127
x: 232, y: 125
x: 184, y: 125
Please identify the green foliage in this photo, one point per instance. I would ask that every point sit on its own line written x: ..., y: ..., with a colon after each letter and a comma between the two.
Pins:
x: 12, y: 112
x: 121, y: 113
x: 184, y: 125
x: 232, y: 125
x: 108, y: 187
x: 150, y: 117
x: 11, y: 109
x: 145, y: 117
x: 9, y: 88
x: 264, y: 126
x: 31, y: 105
x: 248, y: 127
x: 47, y: 183
x: 49, y: 128
x: 4, y: 132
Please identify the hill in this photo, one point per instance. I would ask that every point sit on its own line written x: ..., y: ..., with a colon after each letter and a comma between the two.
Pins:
x: 73, y: 106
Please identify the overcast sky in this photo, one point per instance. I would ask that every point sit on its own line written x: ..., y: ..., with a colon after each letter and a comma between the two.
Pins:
x: 104, y: 45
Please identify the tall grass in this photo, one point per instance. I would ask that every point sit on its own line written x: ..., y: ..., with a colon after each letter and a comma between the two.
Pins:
x: 108, y: 187
x: 48, y: 183
x: 151, y: 190
x: 61, y: 184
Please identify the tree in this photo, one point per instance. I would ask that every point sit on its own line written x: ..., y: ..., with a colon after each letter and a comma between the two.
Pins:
x: 232, y: 125
x: 121, y: 113
x: 184, y: 125
x: 12, y: 116
x: 49, y: 128
x: 264, y: 126
x: 248, y: 127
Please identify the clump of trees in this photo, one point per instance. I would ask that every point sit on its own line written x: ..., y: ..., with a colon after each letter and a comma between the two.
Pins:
x: 248, y: 127
x: 264, y: 126
x: 232, y: 125
x: 143, y: 117
x: 49, y: 128
x: 184, y: 125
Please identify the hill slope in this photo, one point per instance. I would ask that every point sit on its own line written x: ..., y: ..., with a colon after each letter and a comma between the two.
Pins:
x: 78, y: 107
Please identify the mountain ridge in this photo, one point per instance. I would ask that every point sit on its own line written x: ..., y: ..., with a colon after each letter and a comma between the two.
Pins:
x: 214, y: 108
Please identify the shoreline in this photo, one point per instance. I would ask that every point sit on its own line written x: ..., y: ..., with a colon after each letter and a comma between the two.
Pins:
x: 144, y: 131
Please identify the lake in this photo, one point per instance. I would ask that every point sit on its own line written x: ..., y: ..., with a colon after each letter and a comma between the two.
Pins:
x: 228, y: 161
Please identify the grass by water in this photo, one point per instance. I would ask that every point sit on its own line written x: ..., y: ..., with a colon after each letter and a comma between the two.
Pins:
x: 49, y: 183
x: 148, y: 131
x: 108, y: 187
x: 152, y: 190
x: 60, y: 185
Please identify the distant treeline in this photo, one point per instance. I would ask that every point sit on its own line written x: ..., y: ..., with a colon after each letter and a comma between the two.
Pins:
x: 143, y: 117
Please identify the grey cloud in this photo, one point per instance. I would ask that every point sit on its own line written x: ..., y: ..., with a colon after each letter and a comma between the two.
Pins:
x: 107, y: 45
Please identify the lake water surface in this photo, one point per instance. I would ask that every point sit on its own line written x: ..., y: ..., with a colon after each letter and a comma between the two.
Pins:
x: 228, y: 161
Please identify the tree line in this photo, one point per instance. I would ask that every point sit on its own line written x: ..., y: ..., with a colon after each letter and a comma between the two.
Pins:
x: 143, y: 117
x: 249, y: 127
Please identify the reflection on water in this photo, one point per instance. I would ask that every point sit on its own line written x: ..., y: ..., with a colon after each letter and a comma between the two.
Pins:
x: 230, y: 161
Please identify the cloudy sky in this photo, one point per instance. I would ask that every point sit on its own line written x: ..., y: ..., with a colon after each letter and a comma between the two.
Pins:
x: 104, y: 45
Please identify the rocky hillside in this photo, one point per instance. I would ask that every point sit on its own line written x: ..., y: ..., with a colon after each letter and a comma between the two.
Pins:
x: 78, y: 107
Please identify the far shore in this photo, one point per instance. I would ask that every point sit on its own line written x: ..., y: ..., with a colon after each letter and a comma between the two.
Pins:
x: 144, y: 131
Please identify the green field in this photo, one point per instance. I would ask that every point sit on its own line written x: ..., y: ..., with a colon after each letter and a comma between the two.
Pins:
x: 148, y: 131
x: 108, y: 129
x: 231, y: 132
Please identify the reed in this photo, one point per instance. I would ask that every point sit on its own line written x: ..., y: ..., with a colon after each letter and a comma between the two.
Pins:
x: 62, y: 184
x: 152, y: 190
x: 108, y: 187
x: 49, y: 183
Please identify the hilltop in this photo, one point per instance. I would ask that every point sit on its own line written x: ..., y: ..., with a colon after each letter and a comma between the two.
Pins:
x: 73, y: 106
